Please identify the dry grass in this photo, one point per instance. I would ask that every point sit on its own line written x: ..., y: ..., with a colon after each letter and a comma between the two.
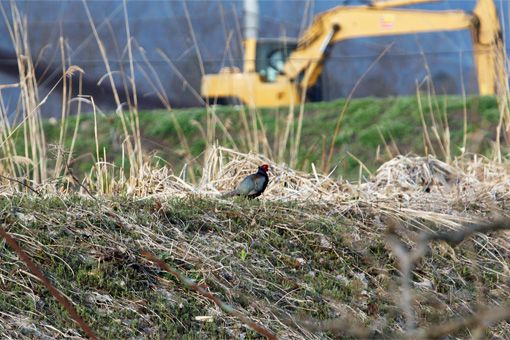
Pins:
x: 304, y: 261
x: 314, y: 257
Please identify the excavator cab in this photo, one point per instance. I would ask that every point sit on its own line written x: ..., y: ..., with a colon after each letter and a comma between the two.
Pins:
x: 270, y: 57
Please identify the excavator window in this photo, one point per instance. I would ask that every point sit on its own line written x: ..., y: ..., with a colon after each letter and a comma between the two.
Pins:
x: 271, y: 56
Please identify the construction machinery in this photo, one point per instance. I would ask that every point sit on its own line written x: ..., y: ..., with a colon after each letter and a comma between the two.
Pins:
x: 279, y: 72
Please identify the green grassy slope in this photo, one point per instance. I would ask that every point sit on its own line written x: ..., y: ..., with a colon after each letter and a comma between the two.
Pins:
x: 367, y: 123
x: 266, y: 259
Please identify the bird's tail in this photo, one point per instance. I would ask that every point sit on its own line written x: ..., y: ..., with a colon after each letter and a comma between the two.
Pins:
x: 229, y: 194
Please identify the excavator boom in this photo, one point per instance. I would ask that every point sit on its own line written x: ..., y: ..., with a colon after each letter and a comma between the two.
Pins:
x: 304, y: 64
x: 398, y: 3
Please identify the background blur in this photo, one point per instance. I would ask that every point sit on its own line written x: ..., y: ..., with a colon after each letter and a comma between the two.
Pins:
x: 216, y: 24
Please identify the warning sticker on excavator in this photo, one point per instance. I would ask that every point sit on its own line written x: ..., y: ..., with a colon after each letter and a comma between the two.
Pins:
x: 387, y: 21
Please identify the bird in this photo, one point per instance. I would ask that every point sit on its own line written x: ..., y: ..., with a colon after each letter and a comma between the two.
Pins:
x: 252, y: 185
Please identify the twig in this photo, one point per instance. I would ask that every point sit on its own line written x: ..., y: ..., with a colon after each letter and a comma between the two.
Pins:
x: 406, y: 260
x: 64, y: 302
x: 22, y: 183
x: 456, y: 237
x: 338, y: 326
x: 409, y: 257
x: 482, y: 318
x: 189, y: 283
x: 346, y: 105
x: 70, y: 172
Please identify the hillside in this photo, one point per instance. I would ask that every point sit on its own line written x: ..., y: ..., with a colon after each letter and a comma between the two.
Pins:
x: 373, y: 130
x: 312, y: 258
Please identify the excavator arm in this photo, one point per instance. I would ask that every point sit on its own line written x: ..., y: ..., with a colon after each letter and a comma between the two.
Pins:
x: 304, y: 64
x: 341, y: 23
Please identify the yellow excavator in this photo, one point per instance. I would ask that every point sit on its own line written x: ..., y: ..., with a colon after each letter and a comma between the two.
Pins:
x: 278, y: 72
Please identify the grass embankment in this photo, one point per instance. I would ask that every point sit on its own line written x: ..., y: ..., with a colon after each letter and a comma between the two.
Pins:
x: 268, y: 259
x: 392, y: 125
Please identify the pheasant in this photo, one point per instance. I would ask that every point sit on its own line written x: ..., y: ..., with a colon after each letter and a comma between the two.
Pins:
x: 252, y: 185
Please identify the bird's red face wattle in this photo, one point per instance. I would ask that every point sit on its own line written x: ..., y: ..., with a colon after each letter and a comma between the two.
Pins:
x: 265, y: 167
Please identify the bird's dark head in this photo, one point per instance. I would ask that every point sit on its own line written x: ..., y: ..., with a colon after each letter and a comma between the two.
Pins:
x: 264, y: 167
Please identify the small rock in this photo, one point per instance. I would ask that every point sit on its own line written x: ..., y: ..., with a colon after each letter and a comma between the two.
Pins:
x: 95, y: 297
x: 204, y: 318
x: 300, y: 262
x: 325, y: 244
x: 342, y: 279
x: 425, y: 284
x: 362, y: 278
x: 25, y: 218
